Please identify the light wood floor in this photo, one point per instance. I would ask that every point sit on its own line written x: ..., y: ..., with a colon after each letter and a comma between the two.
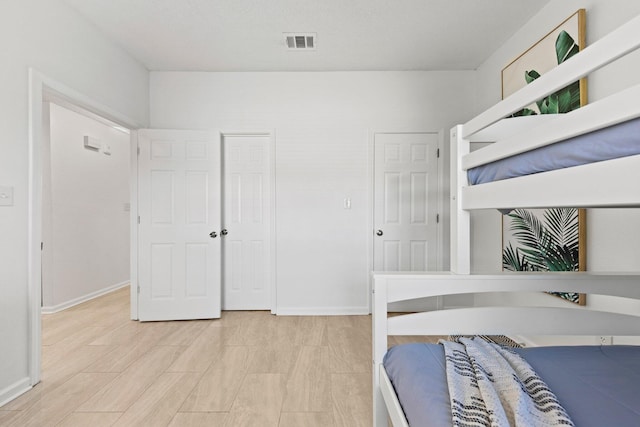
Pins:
x: 246, y: 369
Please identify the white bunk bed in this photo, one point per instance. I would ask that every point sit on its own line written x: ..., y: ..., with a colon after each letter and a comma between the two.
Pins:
x: 610, y: 183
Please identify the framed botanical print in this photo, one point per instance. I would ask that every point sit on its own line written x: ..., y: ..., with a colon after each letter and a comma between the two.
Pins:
x: 547, y: 239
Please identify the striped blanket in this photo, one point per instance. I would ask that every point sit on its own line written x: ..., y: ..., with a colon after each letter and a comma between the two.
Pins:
x: 492, y: 386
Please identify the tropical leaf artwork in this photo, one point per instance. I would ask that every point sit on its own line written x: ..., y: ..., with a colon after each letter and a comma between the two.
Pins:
x: 547, y: 243
x: 566, y: 99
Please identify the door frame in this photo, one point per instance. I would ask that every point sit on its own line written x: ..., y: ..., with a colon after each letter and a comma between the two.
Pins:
x: 271, y: 136
x: 371, y: 201
x: 41, y: 85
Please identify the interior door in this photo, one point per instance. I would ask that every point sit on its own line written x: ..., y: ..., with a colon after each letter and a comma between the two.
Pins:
x: 247, y: 224
x: 179, y: 207
x: 405, y: 201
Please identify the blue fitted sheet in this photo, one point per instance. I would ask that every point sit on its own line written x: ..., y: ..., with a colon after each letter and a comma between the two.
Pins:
x: 597, y: 385
x: 609, y: 143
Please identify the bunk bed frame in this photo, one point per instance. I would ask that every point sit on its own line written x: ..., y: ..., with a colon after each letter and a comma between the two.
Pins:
x: 580, y: 186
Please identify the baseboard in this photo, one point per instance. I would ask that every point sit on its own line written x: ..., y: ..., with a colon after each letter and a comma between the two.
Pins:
x: 322, y: 311
x: 84, y: 298
x: 14, y: 390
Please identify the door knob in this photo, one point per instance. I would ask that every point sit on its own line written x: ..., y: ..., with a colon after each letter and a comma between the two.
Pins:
x: 379, y: 233
x: 213, y: 234
x: 224, y: 232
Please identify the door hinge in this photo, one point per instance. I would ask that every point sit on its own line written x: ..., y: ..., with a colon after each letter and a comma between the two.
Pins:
x: 437, y: 218
x: 138, y: 289
x: 438, y: 153
x: 138, y: 219
x: 138, y: 150
x: 41, y: 246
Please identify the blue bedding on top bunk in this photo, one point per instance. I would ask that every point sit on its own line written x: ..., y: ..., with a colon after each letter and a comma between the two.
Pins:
x: 597, y: 385
x: 620, y: 140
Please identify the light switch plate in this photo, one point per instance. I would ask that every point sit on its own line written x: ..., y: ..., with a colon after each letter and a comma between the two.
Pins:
x: 6, y: 196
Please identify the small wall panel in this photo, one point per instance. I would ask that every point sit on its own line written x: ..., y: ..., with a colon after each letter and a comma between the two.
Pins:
x: 392, y: 198
x: 197, y: 192
x: 162, y: 197
x: 257, y: 199
x: 196, y: 150
x: 419, y: 197
x: 236, y: 198
x: 418, y: 153
x: 161, y: 150
x: 391, y: 153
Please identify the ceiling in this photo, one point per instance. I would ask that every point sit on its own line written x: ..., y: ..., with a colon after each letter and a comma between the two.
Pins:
x: 247, y: 35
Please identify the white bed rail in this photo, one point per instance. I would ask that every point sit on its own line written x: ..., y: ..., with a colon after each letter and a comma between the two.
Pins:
x: 609, y: 111
x: 616, y: 44
x: 610, y: 184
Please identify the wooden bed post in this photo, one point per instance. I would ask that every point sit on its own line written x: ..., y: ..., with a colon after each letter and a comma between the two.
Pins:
x: 460, y: 219
x: 380, y: 414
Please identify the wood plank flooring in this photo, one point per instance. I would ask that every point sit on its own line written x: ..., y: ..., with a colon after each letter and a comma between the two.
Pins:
x: 101, y: 369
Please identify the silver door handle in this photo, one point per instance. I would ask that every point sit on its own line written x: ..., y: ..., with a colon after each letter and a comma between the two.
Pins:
x: 224, y: 232
x: 213, y: 234
x: 379, y: 233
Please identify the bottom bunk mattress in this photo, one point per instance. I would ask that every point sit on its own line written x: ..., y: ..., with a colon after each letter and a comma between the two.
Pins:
x: 597, y: 385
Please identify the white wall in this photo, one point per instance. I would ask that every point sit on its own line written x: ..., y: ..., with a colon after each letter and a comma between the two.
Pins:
x: 89, y: 239
x: 322, y: 123
x: 47, y: 35
x: 612, y: 235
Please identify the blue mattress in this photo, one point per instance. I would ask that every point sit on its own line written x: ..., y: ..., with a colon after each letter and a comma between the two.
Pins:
x: 609, y: 143
x: 598, y: 386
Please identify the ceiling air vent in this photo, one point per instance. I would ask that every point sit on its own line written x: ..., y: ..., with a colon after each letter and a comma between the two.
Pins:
x: 300, y: 41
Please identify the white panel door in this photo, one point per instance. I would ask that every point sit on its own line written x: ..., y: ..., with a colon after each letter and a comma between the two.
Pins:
x: 179, y: 206
x: 246, y: 223
x: 405, y: 201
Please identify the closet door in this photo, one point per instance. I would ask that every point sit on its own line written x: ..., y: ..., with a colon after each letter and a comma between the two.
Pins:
x: 405, y: 201
x: 246, y: 236
x: 179, y: 225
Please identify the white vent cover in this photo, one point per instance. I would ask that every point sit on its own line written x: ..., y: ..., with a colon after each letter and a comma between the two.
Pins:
x: 300, y: 41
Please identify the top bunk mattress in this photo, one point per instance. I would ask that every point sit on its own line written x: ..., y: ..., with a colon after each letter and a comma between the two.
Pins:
x: 613, y: 142
x: 597, y: 385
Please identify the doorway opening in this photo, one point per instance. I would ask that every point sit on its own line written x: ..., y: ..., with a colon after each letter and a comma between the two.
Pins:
x: 43, y: 91
x: 85, y: 206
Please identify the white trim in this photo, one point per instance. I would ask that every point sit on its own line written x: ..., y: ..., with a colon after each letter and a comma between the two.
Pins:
x: 272, y: 177
x: 323, y: 311
x: 371, y: 213
x: 39, y: 84
x: 36, y: 85
x: 84, y: 298
x: 133, y: 224
x: 14, y: 390
x: 440, y: 208
x: 270, y: 134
